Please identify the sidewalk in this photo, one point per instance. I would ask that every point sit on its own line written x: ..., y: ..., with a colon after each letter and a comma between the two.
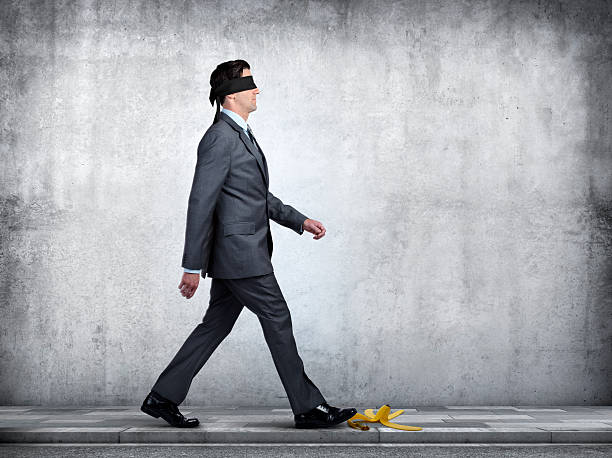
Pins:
x: 442, y: 425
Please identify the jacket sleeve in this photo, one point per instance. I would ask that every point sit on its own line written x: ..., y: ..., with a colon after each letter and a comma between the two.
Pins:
x: 211, y: 169
x: 285, y: 215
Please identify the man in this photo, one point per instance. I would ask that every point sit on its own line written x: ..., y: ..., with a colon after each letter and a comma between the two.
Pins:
x: 228, y: 236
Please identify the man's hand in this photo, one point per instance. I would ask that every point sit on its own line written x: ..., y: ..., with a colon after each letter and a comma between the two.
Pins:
x: 315, y: 227
x: 189, y: 284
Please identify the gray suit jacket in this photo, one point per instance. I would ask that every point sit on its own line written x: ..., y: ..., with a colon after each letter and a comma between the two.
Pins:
x: 228, y: 217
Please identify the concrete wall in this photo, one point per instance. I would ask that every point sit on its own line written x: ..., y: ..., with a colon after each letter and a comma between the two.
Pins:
x: 459, y: 154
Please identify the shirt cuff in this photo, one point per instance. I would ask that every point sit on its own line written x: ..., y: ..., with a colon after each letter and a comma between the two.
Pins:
x: 192, y: 271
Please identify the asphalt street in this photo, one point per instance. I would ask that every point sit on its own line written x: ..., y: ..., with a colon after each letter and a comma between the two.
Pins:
x: 306, y: 450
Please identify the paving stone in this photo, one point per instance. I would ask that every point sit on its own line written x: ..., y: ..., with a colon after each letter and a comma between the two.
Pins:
x: 569, y: 408
x: 407, y: 410
x: 479, y: 407
x: 71, y: 420
x: 444, y: 415
x: 247, y: 418
x: 5, y: 417
x: 577, y: 426
x: 442, y: 424
x: 24, y: 424
x: 466, y: 424
x: 222, y: 425
x: 265, y: 424
x: 539, y: 410
x: 586, y: 420
x: 211, y: 407
x: 554, y: 426
x: 424, y: 408
x: 242, y: 411
x: 98, y: 408
x: 121, y: 413
x: 424, y: 417
x: 584, y: 415
x: 52, y: 411
x: 592, y: 407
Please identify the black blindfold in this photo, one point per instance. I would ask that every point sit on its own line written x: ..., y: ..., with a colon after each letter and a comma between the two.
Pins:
x: 231, y: 86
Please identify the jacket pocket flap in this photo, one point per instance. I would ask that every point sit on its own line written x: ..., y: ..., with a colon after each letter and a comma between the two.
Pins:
x: 239, y: 228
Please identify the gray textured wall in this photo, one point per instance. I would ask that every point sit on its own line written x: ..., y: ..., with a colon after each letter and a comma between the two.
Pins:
x: 459, y: 154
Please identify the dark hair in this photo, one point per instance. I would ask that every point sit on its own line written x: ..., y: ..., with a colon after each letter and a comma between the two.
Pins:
x: 225, y: 71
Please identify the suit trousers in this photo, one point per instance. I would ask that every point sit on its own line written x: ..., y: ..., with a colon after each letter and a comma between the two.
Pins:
x: 261, y: 295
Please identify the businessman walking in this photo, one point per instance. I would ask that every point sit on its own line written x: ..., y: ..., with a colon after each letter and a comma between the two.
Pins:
x: 228, y: 237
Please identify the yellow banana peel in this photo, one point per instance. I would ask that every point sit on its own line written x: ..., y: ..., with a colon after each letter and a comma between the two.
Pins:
x: 358, y: 420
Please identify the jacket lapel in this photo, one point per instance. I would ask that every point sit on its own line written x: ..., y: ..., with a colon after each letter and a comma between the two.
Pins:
x: 256, y: 154
x: 263, y: 156
x: 249, y: 145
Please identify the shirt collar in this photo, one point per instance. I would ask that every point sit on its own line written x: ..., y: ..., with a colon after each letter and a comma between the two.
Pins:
x: 236, y: 117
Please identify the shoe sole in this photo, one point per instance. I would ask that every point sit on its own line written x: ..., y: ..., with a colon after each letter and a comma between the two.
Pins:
x: 149, y: 412
x: 324, y: 424
x: 157, y: 415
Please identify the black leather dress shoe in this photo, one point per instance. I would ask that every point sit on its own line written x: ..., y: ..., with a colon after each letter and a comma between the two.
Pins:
x: 323, y: 416
x: 158, y: 406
